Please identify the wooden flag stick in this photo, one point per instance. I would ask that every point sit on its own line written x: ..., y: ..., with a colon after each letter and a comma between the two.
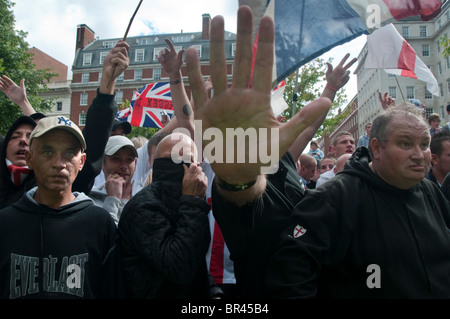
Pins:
x: 125, y: 38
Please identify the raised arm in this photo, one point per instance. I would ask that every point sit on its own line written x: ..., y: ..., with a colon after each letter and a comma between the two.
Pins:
x: 17, y: 94
x: 171, y: 63
x: 238, y: 106
x: 336, y: 78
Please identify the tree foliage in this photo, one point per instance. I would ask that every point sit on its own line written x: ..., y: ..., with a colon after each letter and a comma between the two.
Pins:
x: 16, y: 62
x: 308, y: 85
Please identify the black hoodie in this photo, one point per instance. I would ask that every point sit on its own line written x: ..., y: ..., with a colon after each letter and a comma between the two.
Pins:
x: 363, y: 238
x: 68, y: 252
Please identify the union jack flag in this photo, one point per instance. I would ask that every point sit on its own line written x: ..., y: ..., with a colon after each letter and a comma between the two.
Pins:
x: 148, y: 105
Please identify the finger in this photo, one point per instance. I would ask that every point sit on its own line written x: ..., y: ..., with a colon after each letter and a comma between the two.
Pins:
x: 185, y: 169
x: 217, y: 56
x: 180, y: 56
x: 349, y: 64
x: 170, y: 44
x: 196, y: 82
x: 8, y: 81
x: 262, y: 75
x: 329, y: 68
x: 22, y: 83
x: 244, y: 50
x: 344, y: 59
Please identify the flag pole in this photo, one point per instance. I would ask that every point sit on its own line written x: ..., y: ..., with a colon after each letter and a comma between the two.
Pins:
x: 401, y: 92
x: 125, y: 38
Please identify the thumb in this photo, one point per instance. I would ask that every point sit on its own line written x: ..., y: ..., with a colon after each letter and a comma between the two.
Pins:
x: 185, y: 169
x: 329, y: 68
x: 22, y: 83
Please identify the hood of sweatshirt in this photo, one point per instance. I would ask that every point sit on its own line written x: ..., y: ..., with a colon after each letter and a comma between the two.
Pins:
x: 28, y: 204
x: 358, y: 165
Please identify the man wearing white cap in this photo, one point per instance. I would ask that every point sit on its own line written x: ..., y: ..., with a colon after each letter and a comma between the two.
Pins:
x: 119, y: 165
x: 56, y: 243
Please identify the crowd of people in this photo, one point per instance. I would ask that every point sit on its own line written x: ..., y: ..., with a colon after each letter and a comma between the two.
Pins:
x: 93, y: 214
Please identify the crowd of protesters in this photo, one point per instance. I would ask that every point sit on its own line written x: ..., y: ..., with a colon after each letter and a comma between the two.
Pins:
x: 93, y: 214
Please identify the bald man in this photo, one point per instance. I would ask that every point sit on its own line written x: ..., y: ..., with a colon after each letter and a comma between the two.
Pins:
x: 164, y: 229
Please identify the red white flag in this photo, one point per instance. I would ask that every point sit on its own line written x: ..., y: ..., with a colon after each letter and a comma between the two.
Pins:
x: 388, y: 50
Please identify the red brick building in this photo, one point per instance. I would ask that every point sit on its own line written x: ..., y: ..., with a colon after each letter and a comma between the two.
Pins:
x: 144, y: 67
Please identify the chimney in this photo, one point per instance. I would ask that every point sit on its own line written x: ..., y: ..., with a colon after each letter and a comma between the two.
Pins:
x: 85, y: 35
x: 206, y: 22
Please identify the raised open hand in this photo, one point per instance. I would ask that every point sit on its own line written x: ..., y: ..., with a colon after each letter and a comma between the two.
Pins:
x: 253, y: 140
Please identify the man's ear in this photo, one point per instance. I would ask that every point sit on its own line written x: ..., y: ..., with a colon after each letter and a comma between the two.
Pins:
x: 375, y: 147
x: 82, y: 160
x: 434, y: 159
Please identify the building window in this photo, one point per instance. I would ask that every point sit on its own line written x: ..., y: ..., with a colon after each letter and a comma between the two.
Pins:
x: 438, y: 47
x: 410, y: 92
x: 85, y: 78
x: 181, y: 38
x: 119, y: 97
x: 441, y: 89
x: 140, y: 55
x: 157, y: 73
x: 199, y: 50
x: 423, y: 31
x: 83, y: 99
x: 405, y: 32
x: 157, y: 50
x: 439, y: 67
x: 109, y: 44
x: 102, y: 57
x: 233, y: 49
x: 138, y: 74
x: 428, y: 95
x: 425, y: 50
x: 59, y: 106
x: 393, y: 92
x: 82, y: 119
x: 87, y: 59
x: 448, y: 85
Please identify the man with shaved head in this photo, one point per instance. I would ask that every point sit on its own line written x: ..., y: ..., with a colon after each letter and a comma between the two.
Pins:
x: 164, y: 229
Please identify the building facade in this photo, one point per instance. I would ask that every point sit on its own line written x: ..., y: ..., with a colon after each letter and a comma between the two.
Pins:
x: 58, y: 86
x: 144, y: 67
x: 424, y: 37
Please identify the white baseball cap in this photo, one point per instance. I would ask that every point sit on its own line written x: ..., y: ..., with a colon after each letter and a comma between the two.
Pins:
x: 117, y: 142
x: 47, y: 124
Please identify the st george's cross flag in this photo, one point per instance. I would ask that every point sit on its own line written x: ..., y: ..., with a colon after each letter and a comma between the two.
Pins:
x: 388, y: 50
x: 306, y: 29
x: 148, y: 105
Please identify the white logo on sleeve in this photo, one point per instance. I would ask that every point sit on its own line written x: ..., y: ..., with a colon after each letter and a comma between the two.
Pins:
x: 299, y: 231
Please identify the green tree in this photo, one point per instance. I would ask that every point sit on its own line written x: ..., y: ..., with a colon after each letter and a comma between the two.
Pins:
x: 308, y: 85
x: 445, y: 43
x: 16, y: 62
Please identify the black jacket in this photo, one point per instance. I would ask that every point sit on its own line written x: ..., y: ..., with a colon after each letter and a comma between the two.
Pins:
x: 164, y: 238
x: 43, y: 250
x: 251, y: 231
x: 363, y: 238
x: 99, y: 121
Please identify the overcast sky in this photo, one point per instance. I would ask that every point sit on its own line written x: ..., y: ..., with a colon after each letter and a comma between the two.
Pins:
x: 52, y: 24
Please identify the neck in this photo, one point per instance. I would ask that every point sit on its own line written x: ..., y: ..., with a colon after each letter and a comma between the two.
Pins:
x: 438, y: 174
x: 52, y: 199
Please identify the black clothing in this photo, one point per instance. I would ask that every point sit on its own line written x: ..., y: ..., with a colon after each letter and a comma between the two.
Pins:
x: 251, y: 232
x: 164, y: 237
x: 69, y: 252
x: 355, y: 222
